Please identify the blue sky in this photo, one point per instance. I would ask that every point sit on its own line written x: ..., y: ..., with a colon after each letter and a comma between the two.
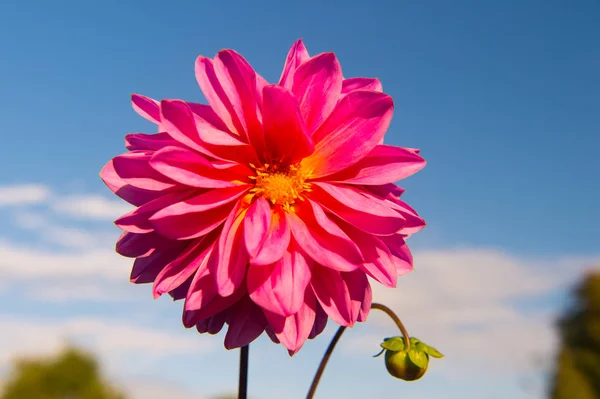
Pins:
x: 502, y: 98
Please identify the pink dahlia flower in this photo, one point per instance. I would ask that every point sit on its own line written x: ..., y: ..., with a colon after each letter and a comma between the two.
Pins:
x: 267, y: 209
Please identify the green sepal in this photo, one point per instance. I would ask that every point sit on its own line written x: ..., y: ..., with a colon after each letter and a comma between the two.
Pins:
x: 431, y: 351
x: 395, y: 344
x: 379, y: 354
x: 419, y: 358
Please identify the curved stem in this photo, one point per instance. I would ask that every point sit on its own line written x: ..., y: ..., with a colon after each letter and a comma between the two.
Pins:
x: 243, y: 381
x: 396, y: 319
x: 338, y: 335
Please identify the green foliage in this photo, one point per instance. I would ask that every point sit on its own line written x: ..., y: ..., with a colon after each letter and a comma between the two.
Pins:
x: 393, y: 344
x: 419, y: 358
x: 72, y: 374
x: 578, y: 367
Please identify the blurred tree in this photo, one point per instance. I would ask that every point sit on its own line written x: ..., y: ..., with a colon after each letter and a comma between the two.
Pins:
x: 73, y: 374
x: 577, y: 374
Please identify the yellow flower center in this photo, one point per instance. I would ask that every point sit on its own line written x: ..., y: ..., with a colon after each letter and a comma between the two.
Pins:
x: 280, y: 185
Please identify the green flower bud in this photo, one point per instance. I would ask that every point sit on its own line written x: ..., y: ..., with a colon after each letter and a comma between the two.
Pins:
x: 400, y: 366
x: 407, y: 363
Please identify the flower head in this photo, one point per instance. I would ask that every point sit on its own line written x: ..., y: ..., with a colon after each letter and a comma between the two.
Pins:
x: 267, y: 209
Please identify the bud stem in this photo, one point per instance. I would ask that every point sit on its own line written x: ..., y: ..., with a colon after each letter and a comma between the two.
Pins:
x: 396, y: 319
x: 338, y: 335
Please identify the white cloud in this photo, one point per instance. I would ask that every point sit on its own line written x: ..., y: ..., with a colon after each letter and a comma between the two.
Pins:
x: 469, y: 304
x: 71, y: 237
x: 22, y: 262
x: 23, y: 194
x: 29, y: 220
x: 65, y: 236
x: 91, y: 207
x: 67, y: 290
x: 113, y: 340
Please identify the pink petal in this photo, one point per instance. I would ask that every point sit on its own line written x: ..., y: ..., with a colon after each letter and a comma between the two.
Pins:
x: 181, y: 291
x: 286, y: 137
x: 202, y: 290
x: 401, y: 256
x: 149, y: 142
x: 192, y: 258
x: 146, y: 269
x: 180, y: 124
x: 238, y: 80
x: 387, y: 191
x: 138, y: 220
x: 211, y: 129
x: 356, y: 125
x: 199, y: 128
x: 385, y: 164
x: 414, y: 222
x: 296, y: 56
x: 271, y: 334
x: 146, y: 107
x: 320, y: 321
x: 256, y: 225
x: 110, y: 178
x: 352, y: 84
x: 214, y: 324
x: 207, y: 301
x: 216, y: 139
x: 368, y: 214
x: 134, y: 245
x: 198, y: 215
x: 246, y: 323
x: 229, y: 84
x: 322, y: 239
x: 209, y: 124
x: 280, y: 287
x: 205, y: 201
x: 261, y: 83
x: 217, y: 97
x: 333, y: 294
x: 266, y: 233
x: 189, y: 168
x: 293, y: 330
x: 134, y: 195
x: 229, y: 262
x: 134, y: 169
x: 366, y: 304
x: 318, y: 84
x: 359, y: 290
x: 378, y: 259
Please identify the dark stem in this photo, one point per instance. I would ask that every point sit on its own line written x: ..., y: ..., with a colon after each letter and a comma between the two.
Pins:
x: 338, y: 335
x: 243, y: 383
x: 328, y: 352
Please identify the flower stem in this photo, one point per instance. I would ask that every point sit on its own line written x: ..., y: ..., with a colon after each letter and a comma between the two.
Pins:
x: 396, y: 320
x: 338, y: 335
x: 243, y: 382
x: 321, y: 369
